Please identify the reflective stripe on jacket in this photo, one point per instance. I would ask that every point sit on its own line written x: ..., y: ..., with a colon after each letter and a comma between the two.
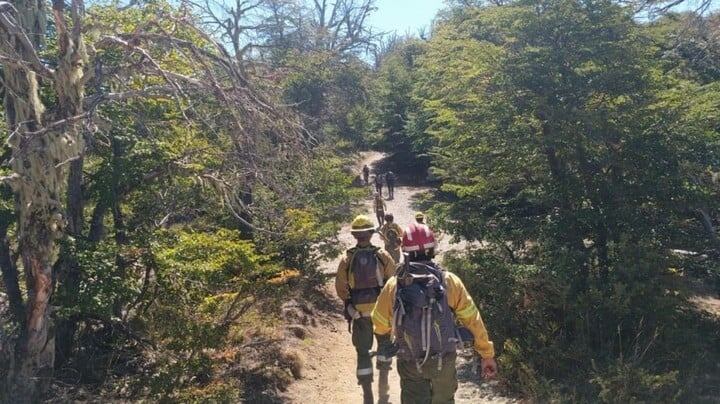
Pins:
x: 459, y: 301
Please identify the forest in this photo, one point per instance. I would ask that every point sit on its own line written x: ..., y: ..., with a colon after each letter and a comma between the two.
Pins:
x: 175, y: 173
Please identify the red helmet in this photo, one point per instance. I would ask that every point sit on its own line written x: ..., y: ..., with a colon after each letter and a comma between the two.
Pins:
x: 418, y: 238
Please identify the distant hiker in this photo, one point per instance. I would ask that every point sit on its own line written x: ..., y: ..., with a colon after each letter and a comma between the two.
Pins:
x: 420, y: 217
x: 379, y: 207
x: 366, y: 174
x: 418, y: 307
x: 391, y: 233
x: 361, y: 274
x: 390, y: 180
x: 378, y: 183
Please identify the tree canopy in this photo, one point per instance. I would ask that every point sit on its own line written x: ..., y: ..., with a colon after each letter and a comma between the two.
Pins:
x: 175, y: 172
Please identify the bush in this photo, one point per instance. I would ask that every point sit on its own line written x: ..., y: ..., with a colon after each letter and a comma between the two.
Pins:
x: 628, y: 383
x: 626, y: 341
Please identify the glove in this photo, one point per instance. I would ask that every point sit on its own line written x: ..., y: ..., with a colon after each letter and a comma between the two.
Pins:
x: 346, y: 312
x: 386, y: 347
x: 351, y: 311
x: 386, y: 350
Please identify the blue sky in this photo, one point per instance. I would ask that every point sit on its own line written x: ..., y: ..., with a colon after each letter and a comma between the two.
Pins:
x: 410, y: 15
x: 404, y: 15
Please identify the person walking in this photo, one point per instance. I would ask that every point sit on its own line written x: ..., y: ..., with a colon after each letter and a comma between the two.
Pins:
x: 379, y: 207
x: 390, y: 180
x: 366, y: 174
x: 379, y: 183
x: 391, y: 233
x: 418, y: 308
x: 361, y: 274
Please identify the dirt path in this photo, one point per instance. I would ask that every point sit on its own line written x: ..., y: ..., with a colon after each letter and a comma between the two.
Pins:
x: 329, y: 373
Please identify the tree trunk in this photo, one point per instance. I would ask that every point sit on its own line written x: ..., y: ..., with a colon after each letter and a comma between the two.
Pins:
x: 39, y: 163
x: 97, y: 221
x: 36, y: 219
x: 68, y: 268
x: 121, y: 240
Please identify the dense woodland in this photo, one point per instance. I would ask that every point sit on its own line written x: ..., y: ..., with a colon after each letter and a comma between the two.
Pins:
x: 175, y: 171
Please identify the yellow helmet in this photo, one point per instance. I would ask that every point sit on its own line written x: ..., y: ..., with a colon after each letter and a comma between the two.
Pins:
x: 361, y: 223
x: 419, y: 215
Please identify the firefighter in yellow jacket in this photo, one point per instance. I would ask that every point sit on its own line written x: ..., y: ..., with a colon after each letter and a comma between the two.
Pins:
x: 361, y: 274
x: 418, y: 308
x: 391, y: 233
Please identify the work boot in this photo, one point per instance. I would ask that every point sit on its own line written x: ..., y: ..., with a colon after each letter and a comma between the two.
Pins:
x: 367, y: 393
x: 383, y: 387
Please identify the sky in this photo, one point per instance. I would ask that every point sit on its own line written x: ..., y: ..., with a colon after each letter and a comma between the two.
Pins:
x: 404, y: 15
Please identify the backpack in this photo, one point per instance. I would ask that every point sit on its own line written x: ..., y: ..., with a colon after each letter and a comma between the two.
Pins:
x: 423, y: 323
x: 392, y: 237
x: 366, y: 271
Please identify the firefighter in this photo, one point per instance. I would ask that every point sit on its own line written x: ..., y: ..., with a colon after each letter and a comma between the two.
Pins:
x: 418, y: 308
x: 391, y: 233
x: 390, y: 180
x: 379, y: 207
x: 379, y: 183
x: 361, y: 274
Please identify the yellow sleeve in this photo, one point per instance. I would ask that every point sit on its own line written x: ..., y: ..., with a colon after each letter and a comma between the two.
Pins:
x: 382, y: 313
x: 388, y: 264
x: 341, y: 279
x: 399, y: 232
x: 465, y: 310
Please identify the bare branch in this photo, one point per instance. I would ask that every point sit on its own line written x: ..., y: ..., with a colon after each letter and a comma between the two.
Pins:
x: 9, y: 24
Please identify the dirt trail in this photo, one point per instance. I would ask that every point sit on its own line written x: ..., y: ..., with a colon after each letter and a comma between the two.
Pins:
x: 329, y: 373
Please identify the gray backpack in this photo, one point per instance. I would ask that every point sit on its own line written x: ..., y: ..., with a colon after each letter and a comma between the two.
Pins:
x: 366, y: 271
x: 423, y: 323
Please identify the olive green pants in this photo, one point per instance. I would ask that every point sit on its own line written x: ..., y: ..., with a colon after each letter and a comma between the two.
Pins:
x: 430, y: 385
x: 362, y: 339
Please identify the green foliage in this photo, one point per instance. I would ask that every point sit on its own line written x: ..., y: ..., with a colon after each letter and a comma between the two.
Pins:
x: 567, y: 145
x: 188, y: 249
x: 624, y: 383
x: 393, y: 102
x: 301, y: 223
x: 213, y: 260
x: 331, y: 91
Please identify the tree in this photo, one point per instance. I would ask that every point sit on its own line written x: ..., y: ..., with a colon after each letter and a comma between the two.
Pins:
x: 47, y: 135
x: 395, y: 106
x: 565, y: 148
x: 43, y: 144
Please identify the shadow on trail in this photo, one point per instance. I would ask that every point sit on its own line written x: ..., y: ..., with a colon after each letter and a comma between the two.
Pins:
x: 423, y: 201
x: 409, y: 170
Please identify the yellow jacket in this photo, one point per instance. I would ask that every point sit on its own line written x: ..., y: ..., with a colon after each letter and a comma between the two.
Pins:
x: 385, y: 230
x: 379, y: 205
x: 459, y: 301
x: 343, y: 284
